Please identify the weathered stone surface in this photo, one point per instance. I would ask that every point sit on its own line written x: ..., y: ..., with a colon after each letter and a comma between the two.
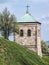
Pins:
x: 32, y: 42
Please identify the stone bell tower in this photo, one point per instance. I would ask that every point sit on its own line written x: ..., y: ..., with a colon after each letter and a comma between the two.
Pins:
x: 29, y: 33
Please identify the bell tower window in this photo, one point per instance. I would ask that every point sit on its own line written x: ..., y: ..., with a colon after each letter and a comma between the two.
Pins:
x: 29, y: 32
x: 21, y: 32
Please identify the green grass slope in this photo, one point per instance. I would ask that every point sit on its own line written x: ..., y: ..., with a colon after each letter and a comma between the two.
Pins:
x: 15, y: 54
x: 46, y: 60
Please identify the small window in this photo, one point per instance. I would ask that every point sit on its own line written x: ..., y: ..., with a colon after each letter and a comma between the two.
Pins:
x: 21, y: 32
x: 29, y: 32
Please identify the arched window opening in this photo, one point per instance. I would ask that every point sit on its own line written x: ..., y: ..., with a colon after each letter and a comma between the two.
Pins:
x: 29, y: 32
x: 21, y: 32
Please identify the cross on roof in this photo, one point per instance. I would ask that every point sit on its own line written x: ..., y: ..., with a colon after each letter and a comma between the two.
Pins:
x: 27, y: 9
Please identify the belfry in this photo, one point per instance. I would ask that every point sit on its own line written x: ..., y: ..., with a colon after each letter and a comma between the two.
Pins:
x: 29, y: 33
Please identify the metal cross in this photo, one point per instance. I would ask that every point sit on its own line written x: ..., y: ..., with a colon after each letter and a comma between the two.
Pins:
x: 27, y: 9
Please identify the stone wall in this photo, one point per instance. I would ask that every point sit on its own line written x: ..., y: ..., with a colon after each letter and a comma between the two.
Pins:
x: 32, y: 42
x: 39, y: 51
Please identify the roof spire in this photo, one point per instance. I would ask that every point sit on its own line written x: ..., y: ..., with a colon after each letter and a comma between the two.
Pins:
x: 27, y: 8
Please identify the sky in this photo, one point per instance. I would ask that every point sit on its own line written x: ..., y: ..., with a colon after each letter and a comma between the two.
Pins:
x: 38, y: 9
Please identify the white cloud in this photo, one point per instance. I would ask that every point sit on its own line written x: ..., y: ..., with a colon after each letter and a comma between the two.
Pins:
x: 44, y: 19
x: 8, y: 5
x: 38, y: 1
x: 13, y: 0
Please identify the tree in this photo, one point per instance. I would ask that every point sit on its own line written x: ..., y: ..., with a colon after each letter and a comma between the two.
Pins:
x: 7, y: 22
x: 44, y: 47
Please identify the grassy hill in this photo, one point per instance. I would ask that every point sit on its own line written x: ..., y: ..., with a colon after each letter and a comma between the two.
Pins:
x: 14, y: 54
x: 46, y: 60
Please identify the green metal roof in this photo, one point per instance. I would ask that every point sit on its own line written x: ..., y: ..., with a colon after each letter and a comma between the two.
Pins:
x: 27, y: 18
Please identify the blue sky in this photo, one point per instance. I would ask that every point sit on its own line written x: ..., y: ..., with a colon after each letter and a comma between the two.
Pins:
x: 38, y: 8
